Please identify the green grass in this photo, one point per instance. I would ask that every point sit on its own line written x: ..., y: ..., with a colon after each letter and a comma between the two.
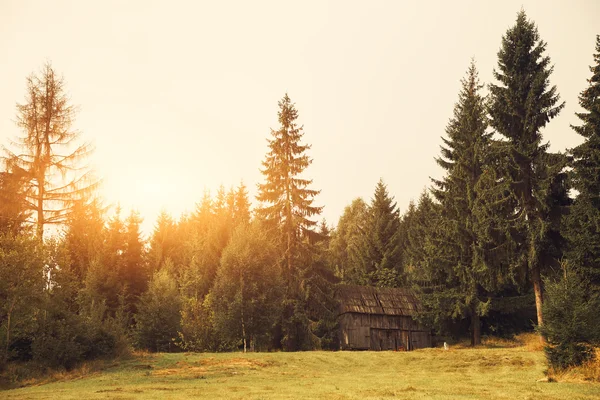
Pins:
x: 483, y: 373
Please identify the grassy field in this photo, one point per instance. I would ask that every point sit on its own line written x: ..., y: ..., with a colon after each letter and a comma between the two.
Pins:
x: 482, y: 373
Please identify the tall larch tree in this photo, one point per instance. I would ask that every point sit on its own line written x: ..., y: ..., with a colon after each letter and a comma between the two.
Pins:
x: 521, y: 104
x: 460, y: 280
x: 583, y: 224
x: 48, y: 151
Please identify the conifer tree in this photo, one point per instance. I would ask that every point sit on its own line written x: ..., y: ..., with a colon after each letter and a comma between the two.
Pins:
x: 286, y: 201
x: 521, y: 105
x: 47, y: 151
x: 163, y: 241
x: 460, y: 279
x: 134, y: 273
x: 84, y: 236
x: 241, y: 214
x: 286, y: 209
x: 380, y: 250
x: 419, y: 227
x: 583, y: 224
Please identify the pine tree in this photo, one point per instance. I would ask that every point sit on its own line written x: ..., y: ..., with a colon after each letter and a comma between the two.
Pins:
x: 380, y: 250
x: 583, y: 224
x: 84, y: 236
x: 522, y: 103
x: 134, y: 273
x: 419, y: 225
x: 241, y: 214
x: 286, y: 201
x: 163, y: 241
x: 459, y: 279
x: 46, y: 118
x: 286, y: 209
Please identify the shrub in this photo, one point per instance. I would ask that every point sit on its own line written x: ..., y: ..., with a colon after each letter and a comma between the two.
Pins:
x: 571, y: 320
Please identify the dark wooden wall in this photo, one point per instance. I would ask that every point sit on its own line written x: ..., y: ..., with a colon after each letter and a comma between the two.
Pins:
x: 382, y: 332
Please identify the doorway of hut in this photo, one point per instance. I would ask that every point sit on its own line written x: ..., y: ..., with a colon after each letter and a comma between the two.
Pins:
x: 390, y: 339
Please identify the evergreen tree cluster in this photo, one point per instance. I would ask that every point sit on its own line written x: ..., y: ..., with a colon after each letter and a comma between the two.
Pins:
x: 493, y: 245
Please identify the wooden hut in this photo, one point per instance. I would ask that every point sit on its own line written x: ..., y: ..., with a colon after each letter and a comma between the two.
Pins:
x: 380, y: 319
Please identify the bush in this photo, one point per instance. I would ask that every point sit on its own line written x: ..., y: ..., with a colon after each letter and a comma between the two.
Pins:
x: 571, y: 321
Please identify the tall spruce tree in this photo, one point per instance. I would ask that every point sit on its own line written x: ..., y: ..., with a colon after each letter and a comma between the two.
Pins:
x: 286, y: 201
x: 583, y: 224
x: 521, y: 105
x: 381, y: 253
x: 458, y: 280
x: 286, y: 208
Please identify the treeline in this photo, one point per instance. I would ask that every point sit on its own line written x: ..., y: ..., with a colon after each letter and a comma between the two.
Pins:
x: 496, y: 245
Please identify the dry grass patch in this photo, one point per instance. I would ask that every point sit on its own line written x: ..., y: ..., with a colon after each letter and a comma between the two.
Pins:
x: 588, y: 372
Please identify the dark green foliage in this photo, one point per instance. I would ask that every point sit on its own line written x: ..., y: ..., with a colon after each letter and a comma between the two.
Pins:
x: 583, y: 224
x: 241, y: 203
x: 458, y: 280
x: 13, y: 207
x: 521, y: 105
x: 571, y: 320
x: 163, y: 243
x: 346, y: 243
x: 84, y: 235
x: 380, y: 249
x: 285, y: 211
x: 286, y: 201
x: 158, y: 319
x: 21, y: 289
x: 418, y: 227
x: 133, y: 273
x: 72, y: 325
x: 248, y: 290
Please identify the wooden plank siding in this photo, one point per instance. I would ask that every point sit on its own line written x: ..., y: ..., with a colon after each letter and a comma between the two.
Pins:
x: 380, y: 319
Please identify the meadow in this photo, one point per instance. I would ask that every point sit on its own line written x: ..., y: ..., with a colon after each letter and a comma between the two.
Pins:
x: 487, y: 372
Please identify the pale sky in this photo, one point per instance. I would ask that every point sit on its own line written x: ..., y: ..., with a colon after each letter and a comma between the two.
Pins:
x: 179, y: 97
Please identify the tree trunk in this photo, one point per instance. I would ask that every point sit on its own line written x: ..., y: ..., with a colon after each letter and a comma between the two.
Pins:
x: 475, y: 327
x: 537, y: 289
x: 8, y: 317
x: 539, y: 299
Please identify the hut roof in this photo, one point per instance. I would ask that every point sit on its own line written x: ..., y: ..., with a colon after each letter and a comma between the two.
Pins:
x: 372, y: 300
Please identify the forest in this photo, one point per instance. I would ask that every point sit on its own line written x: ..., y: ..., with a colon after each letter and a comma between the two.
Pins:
x: 506, y: 241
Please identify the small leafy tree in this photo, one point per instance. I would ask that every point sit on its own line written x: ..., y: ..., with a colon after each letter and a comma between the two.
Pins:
x: 571, y: 320
x: 247, y: 292
x: 158, y: 316
x: 21, y: 287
